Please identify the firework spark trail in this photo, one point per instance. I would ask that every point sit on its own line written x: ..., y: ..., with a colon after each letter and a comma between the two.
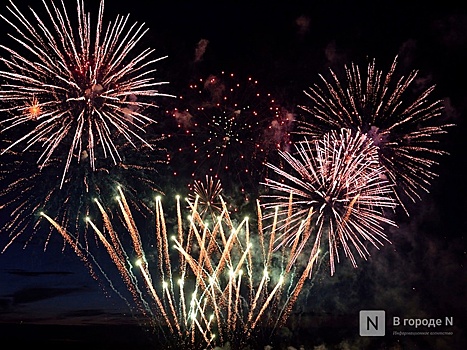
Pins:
x: 119, y: 258
x: 127, y: 276
x: 19, y: 197
x: 72, y: 242
x: 61, y: 90
x: 154, y: 294
x: 304, y: 228
x: 160, y: 239
x: 266, y: 303
x: 116, y: 244
x: 340, y: 176
x: 130, y: 224
x: 404, y: 126
x: 287, y: 309
x: 90, y: 262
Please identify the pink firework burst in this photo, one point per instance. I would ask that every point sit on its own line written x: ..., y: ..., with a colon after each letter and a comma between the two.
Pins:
x: 334, y: 187
x: 404, y: 124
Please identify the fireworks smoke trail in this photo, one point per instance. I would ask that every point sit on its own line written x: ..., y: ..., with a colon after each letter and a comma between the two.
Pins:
x: 71, y: 88
x: 337, y: 182
x: 405, y: 126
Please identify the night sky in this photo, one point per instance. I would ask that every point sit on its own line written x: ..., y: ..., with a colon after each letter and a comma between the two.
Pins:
x: 285, y: 47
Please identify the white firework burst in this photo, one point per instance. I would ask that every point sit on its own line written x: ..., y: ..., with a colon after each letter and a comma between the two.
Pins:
x: 74, y: 89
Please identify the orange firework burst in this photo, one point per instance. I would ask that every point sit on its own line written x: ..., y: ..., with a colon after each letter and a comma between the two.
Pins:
x: 33, y: 109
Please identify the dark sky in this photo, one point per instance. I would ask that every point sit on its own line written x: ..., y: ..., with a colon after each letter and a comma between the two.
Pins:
x: 285, y: 46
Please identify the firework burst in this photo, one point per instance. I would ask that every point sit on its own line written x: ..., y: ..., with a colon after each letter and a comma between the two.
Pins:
x: 73, y: 88
x: 334, y: 187
x: 405, y: 129
x: 229, y: 129
x: 207, y: 194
